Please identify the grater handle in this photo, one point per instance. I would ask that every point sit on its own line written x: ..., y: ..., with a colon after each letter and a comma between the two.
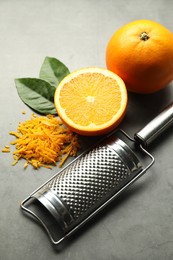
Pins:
x: 155, y: 127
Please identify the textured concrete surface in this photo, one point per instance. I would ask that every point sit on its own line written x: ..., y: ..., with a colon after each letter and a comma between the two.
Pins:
x: 139, y: 224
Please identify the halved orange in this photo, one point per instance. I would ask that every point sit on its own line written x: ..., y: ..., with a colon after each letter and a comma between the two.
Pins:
x: 91, y: 101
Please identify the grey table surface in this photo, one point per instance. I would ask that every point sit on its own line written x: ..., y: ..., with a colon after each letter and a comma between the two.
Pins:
x: 139, y: 224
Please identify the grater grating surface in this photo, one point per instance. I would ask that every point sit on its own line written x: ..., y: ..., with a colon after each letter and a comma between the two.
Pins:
x: 89, y: 180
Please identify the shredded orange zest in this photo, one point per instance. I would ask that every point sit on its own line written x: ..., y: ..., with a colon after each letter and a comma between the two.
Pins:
x: 43, y: 141
x: 6, y: 149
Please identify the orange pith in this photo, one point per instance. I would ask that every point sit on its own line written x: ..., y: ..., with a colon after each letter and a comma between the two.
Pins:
x: 91, y: 101
x: 141, y: 53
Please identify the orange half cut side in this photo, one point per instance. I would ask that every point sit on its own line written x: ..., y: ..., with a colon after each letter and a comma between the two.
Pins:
x: 91, y: 101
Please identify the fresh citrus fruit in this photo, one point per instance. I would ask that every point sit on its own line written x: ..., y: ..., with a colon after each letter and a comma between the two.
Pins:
x: 141, y: 53
x: 91, y: 101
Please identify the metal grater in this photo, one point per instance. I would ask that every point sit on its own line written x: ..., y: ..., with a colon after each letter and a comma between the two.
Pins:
x: 88, y: 182
x: 95, y: 178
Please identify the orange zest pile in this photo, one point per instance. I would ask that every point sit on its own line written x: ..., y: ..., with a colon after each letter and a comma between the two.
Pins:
x: 43, y: 141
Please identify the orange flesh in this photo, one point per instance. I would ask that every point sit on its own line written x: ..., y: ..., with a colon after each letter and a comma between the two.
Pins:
x: 93, y: 99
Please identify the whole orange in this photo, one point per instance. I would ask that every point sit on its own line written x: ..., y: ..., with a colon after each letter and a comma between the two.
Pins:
x: 141, y: 53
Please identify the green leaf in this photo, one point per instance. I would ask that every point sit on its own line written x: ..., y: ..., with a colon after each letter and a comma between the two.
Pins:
x: 37, y: 94
x: 53, y: 71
